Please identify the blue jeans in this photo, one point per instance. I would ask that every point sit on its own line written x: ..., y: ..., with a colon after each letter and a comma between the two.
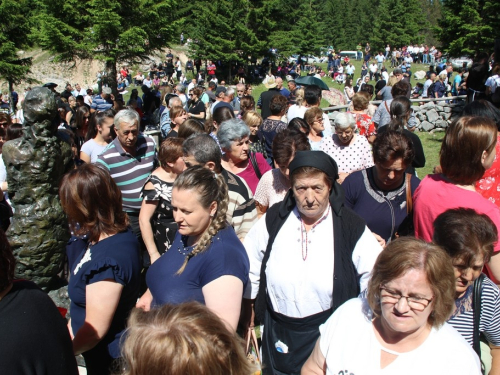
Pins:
x: 426, y: 60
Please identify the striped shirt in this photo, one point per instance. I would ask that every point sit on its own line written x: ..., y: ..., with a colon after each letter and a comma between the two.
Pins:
x: 130, y: 172
x: 241, y: 211
x: 99, y: 104
x: 489, y: 322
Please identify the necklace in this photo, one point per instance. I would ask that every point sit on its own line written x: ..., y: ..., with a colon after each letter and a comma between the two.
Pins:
x: 185, y: 250
x: 303, y: 230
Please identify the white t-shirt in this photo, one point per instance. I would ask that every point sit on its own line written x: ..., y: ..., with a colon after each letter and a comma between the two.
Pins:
x: 92, y: 149
x: 373, y: 68
x: 298, y: 288
x: 349, y: 345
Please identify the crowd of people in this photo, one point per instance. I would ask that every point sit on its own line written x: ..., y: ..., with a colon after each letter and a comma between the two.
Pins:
x: 263, y: 212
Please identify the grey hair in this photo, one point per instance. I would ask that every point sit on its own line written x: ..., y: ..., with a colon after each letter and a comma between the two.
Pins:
x: 204, y: 149
x: 172, y: 100
x: 128, y: 116
x: 181, y: 88
x: 229, y: 91
x: 344, y: 121
x: 230, y: 131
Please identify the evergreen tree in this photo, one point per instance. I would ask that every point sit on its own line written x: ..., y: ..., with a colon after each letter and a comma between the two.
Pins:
x: 223, y: 34
x: 469, y: 26
x: 14, y: 30
x: 398, y: 22
x: 109, y: 30
x: 307, y: 33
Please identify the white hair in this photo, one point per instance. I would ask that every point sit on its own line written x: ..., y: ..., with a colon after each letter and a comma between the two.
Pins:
x: 344, y: 121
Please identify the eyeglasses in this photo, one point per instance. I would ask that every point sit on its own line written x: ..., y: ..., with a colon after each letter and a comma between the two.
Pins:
x: 415, y: 303
x: 190, y: 94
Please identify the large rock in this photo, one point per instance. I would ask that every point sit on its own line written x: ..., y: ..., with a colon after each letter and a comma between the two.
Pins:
x: 421, y: 116
x: 432, y: 115
x: 439, y: 108
x: 429, y: 106
x: 35, y: 164
x: 445, y: 116
x: 426, y: 125
x: 416, y: 108
x: 447, y: 109
x: 441, y: 124
x: 419, y: 74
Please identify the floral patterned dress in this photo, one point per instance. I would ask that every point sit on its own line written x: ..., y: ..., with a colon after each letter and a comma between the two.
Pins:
x: 162, y: 221
x: 489, y: 185
x: 364, y: 124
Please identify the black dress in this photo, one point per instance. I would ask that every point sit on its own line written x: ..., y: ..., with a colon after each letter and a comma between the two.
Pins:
x: 162, y: 221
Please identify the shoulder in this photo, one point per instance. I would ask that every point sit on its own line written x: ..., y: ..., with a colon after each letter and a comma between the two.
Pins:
x: 448, y: 337
x: 227, y: 256
x: 235, y: 184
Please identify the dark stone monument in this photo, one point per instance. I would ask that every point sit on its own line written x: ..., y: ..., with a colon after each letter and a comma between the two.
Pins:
x: 35, y: 165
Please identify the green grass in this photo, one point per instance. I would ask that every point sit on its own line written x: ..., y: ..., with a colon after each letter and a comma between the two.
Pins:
x: 431, y: 143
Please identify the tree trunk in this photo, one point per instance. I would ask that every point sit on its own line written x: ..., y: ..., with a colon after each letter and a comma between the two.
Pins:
x: 11, y: 102
x: 112, y: 73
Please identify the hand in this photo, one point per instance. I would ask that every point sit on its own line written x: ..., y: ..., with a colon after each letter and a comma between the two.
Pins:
x: 342, y: 177
x: 380, y: 240
x: 144, y: 302
x: 437, y: 169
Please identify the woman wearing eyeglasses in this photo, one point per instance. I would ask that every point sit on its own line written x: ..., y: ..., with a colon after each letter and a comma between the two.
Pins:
x: 314, y: 118
x: 399, y: 328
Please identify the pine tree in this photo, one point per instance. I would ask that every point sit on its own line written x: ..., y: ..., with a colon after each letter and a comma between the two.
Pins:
x: 109, y: 30
x: 469, y: 26
x: 307, y: 32
x: 14, y: 30
x: 223, y: 34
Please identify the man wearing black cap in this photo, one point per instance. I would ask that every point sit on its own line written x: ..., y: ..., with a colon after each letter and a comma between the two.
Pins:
x: 308, y: 255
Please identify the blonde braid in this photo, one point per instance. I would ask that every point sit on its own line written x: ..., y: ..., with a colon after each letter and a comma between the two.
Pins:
x: 217, y: 223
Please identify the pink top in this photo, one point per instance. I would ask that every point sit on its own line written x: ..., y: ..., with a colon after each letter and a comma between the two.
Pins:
x: 489, y: 185
x: 434, y: 195
x: 249, y: 173
x: 272, y: 188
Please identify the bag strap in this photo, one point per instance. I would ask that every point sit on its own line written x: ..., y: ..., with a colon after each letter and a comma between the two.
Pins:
x: 409, y: 199
x: 476, y: 303
x: 255, y: 166
x: 387, y: 107
x: 252, y: 341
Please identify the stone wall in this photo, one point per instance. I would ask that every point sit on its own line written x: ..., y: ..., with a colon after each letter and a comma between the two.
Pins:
x: 430, y: 115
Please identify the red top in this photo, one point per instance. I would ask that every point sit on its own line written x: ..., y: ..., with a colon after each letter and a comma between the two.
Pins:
x: 249, y: 173
x: 489, y: 185
x: 365, y: 124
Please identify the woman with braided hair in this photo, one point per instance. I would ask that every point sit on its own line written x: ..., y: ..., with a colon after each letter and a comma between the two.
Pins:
x: 206, y: 262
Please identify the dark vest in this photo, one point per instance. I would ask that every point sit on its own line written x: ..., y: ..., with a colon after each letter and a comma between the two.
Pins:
x: 347, y: 228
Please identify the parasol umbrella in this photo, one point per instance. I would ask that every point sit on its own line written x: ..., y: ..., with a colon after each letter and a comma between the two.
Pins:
x: 333, y: 97
x: 310, y: 80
